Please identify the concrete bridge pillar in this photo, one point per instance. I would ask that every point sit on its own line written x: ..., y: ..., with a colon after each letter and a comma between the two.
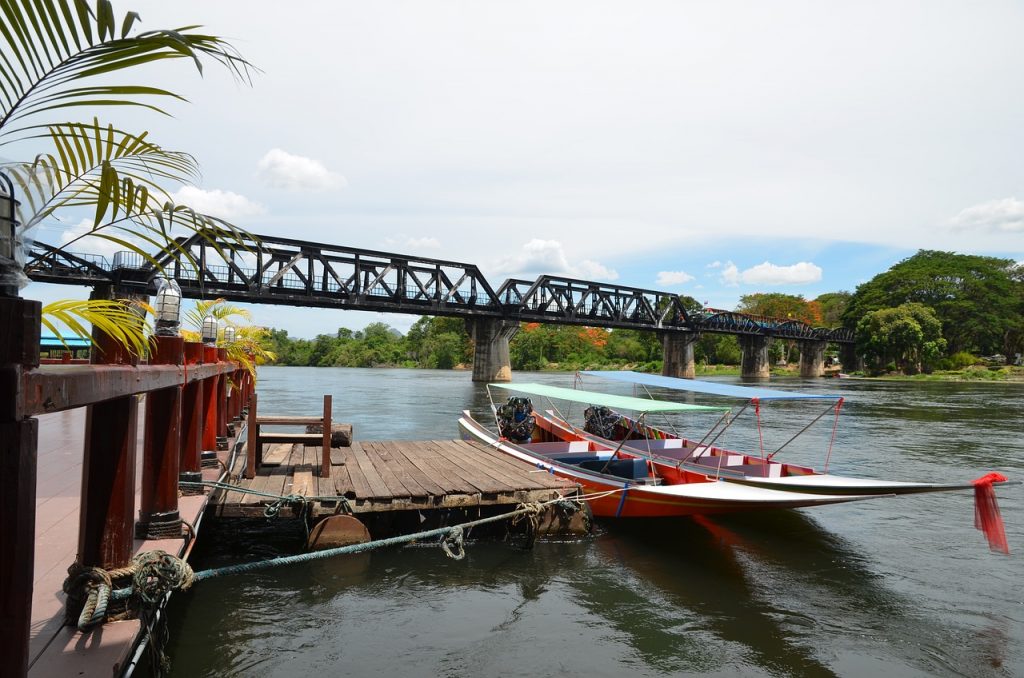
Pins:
x: 754, y: 362
x: 490, y: 348
x: 677, y: 352
x: 812, y: 358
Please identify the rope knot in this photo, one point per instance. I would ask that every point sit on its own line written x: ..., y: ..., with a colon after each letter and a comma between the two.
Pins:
x: 90, y: 588
x: 157, y: 573
x: 452, y: 544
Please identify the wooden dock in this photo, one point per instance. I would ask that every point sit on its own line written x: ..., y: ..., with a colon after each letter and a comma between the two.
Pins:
x: 381, y: 476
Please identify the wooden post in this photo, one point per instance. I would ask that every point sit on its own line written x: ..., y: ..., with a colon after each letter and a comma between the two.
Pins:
x: 19, y: 349
x: 252, y: 442
x: 210, y: 405
x: 105, y: 528
x: 161, y: 449
x: 222, y: 403
x: 325, y: 458
x: 192, y: 419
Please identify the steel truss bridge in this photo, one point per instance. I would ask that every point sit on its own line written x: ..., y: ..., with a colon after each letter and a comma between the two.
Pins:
x: 273, y: 270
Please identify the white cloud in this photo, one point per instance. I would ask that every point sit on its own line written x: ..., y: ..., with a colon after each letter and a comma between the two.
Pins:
x: 998, y: 216
x: 90, y: 243
x: 771, y: 274
x: 218, y: 203
x: 548, y: 257
x: 730, y: 274
x: 668, y: 278
x: 714, y: 264
x: 403, y: 242
x: 280, y: 169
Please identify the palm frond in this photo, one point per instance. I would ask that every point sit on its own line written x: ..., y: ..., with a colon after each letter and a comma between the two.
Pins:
x: 248, y: 350
x: 119, y: 319
x: 119, y: 173
x: 48, y: 48
x: 219, y: 309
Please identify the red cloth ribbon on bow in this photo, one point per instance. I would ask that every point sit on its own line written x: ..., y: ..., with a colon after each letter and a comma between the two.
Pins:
x: 986, y: 511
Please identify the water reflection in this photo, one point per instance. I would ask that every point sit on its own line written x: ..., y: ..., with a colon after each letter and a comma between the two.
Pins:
x: 893, y: 588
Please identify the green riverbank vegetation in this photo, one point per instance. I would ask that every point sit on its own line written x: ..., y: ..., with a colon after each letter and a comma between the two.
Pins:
x: 935, y: 315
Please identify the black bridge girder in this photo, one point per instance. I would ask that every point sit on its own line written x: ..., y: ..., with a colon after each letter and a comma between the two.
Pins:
x: 283, y: 271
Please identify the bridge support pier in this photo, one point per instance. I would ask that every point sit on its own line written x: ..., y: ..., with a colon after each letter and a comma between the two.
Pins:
x: 677, y: 352
x: 490, y: 336
x: 812, y: 358
x: 754, y: 361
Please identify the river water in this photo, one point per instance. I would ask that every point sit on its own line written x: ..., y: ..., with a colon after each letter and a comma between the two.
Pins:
x: 892, y: 587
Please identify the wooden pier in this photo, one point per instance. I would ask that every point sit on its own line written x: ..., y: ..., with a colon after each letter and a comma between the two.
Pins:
x: 374, y: 477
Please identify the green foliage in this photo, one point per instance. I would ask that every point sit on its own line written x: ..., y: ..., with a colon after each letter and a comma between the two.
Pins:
x: 783, y: 306
x: 906, y: 338
x: 440, y: 343
x: 833, y: 305
x: 958, y: 361
x: 720, y: 349
x: 978, y: 300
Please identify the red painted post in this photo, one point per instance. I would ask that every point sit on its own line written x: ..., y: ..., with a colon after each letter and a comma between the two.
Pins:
x: 253, y: 453
x: 107, y: 518
x: 210, y: 406
x: 192, y: 419
x: 222, y: 403
x: 161, y: 449
x: 325, y: 457
x: 106, y: 521
x: 19, y: 349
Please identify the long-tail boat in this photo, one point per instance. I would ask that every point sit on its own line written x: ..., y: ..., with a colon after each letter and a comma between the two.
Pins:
x: 650, y: 457
x: 623, y: 485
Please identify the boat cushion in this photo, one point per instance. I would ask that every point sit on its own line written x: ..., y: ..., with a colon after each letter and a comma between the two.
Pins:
x: 624, y: 468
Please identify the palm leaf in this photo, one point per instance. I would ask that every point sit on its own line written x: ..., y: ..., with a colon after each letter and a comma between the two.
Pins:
x: 119, y: 319
x: 219, y: 309
x: 48, y: 48
x: 108, y: 168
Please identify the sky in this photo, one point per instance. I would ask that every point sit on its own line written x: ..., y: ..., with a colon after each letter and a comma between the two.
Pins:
x: 713, y: 149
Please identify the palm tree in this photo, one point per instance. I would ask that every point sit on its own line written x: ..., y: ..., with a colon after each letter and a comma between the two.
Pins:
x: 52, y: 52
x: 246, y: 347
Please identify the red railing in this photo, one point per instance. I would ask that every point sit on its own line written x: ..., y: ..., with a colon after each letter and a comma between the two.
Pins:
x: 187, y: 409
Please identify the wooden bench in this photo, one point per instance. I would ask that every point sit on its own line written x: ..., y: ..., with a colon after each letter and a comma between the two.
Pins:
x: 255, y: 440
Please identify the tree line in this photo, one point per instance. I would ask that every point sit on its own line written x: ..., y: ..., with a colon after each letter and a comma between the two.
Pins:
x: 933, y: 310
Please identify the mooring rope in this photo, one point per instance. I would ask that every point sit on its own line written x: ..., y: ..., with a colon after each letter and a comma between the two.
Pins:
x: 156, y: 573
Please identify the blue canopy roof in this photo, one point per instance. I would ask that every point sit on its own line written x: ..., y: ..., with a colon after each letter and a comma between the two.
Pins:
x: 49, y: 340
x: 714, y: 388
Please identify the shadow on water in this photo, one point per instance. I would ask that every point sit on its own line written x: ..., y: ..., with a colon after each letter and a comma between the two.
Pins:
x: 798, y: 599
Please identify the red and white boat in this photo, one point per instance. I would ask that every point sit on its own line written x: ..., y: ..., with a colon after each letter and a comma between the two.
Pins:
x: 626, y: 486
x: 639, y: 471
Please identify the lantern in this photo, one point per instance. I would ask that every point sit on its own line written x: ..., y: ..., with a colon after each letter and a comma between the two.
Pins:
x: 11, y: 276
x: 168, y: 308
x: 210, y: 329
x: 229, y: 334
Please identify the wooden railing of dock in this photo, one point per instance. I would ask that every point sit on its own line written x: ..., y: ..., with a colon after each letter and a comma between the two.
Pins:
x: 187, y: 409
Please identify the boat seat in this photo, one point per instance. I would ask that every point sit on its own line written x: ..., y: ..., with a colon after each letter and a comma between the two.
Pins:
x: 573, y: 458
x: 623, y: 468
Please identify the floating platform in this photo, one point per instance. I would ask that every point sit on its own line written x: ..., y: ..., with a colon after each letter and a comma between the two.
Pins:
x: 372, y: 477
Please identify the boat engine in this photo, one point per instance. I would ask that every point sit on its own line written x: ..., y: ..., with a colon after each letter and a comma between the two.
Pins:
x: 515, y: 420
x: 601, y: 421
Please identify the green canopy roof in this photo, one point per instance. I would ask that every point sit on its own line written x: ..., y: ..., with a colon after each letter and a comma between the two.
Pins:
x: 613, y: 401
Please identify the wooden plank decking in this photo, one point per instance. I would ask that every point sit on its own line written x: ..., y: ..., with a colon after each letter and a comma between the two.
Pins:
x: 393, y: 476
x: 56, y: 649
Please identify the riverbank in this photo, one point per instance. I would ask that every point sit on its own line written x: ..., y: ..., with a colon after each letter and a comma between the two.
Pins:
x: 1008, y: 373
